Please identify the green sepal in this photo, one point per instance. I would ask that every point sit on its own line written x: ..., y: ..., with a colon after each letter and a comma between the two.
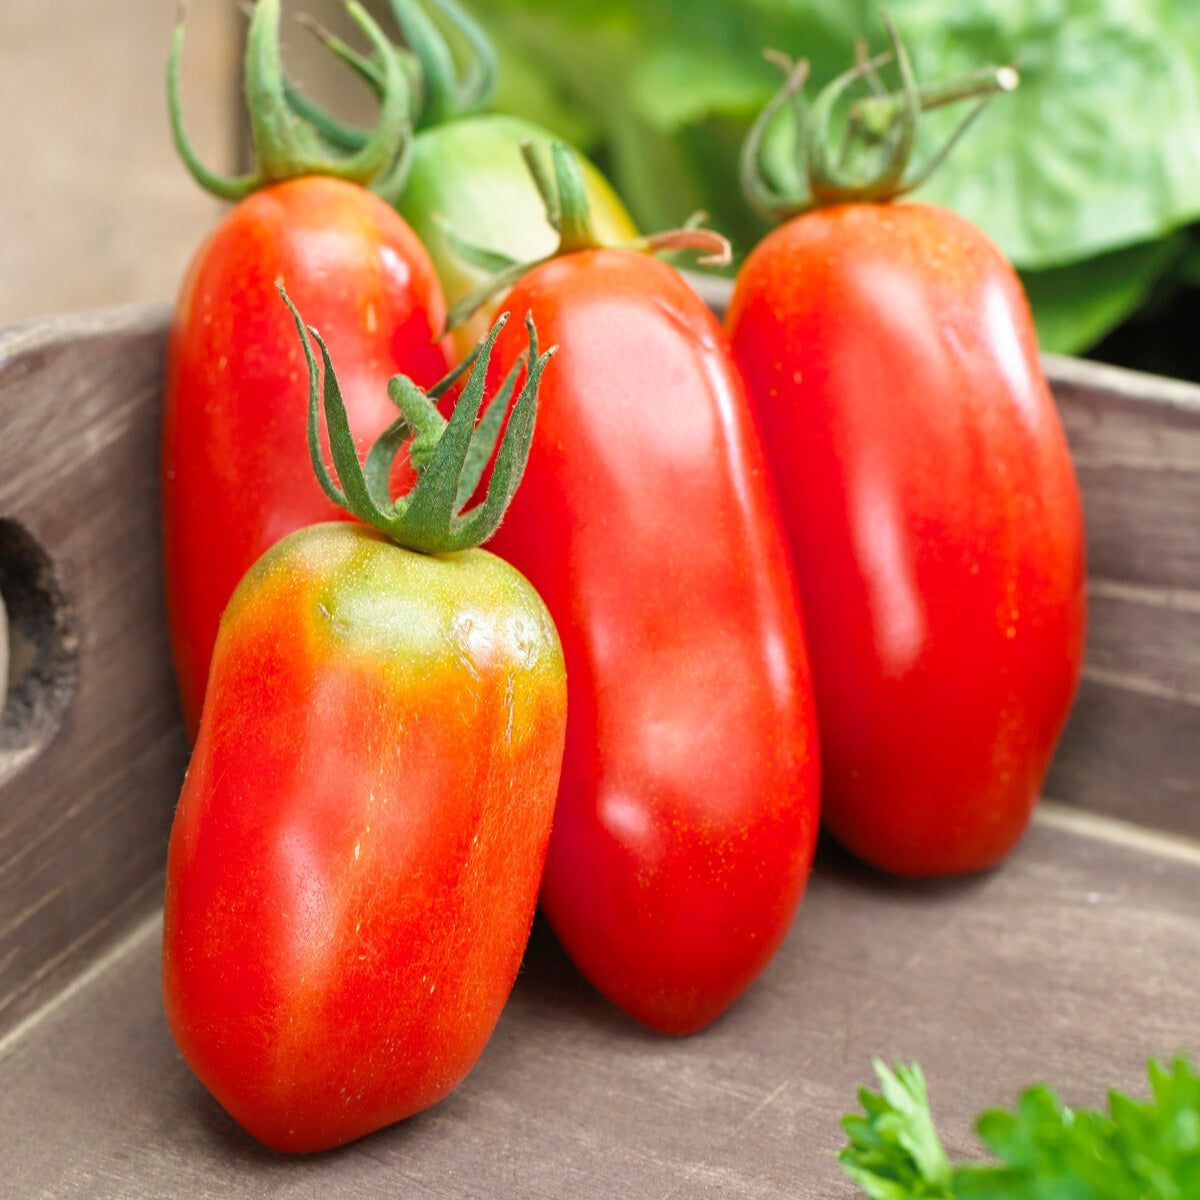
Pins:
x: 876, y: 157
x: 286, y: 145
x: 491, y: 262
x: 447, y: 95
x: 564, y: 194
x: 338, y: 134
x: 449, y: 457
x: 437, y: 92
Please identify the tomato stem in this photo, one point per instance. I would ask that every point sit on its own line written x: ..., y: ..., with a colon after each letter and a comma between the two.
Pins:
x: 436, y: 92
x: 449, y: 457
x: 876, y: 158
x: 445, y: 94
x: 285, y: 144
x: 564, y: 193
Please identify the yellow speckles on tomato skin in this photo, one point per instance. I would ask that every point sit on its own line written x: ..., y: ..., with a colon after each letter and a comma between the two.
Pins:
x: 365, y: 821
x: 922, y: 474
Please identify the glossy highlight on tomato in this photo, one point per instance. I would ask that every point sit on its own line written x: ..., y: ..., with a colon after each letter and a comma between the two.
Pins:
x: 687, y: 813
x: 934, y: 521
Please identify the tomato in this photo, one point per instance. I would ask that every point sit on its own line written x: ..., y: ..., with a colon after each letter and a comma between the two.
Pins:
x: 468, y: 178
x: 355, y: 858
x: 687, y: 812
x: 934, y: 521
x: 236, y: 475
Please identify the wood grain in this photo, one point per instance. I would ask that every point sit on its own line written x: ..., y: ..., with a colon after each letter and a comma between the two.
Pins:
x: 1070, y: 964
x: 1132, y: 746
x: 83, y: 822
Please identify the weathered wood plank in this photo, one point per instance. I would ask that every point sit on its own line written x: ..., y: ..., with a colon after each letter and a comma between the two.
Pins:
x: 1132, y: 746
x: 1130, y: 755
x: 1135, y: 442
x: 84, y: 807
x: 1069, y: 964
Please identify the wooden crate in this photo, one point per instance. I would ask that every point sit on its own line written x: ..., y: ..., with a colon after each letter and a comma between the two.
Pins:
x: 1074, y: 961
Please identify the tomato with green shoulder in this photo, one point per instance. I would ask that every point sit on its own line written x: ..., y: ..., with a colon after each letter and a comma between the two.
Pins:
x: 355, y: 857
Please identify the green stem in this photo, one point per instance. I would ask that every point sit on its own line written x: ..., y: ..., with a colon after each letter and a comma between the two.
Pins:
x: 829, y: 183
x: 285, y: 144
x: 874, y: 115
x: 767, y: 200
x: 446, y: 95
x: 876, y: 156
x: 449, y: 457
x: 564, y: 195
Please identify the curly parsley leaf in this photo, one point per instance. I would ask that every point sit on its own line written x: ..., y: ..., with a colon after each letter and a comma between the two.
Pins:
x: 1137, y: 1150
x: 894, y: 1151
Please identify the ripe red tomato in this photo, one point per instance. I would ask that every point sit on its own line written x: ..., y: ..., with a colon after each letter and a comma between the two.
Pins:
x: 355, y: 858
x: 687, y: 813
x: 934, y: 522
x: 236, y: 471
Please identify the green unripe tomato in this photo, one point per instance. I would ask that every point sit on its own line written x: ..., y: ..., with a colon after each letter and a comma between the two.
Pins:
x: 468, y: 176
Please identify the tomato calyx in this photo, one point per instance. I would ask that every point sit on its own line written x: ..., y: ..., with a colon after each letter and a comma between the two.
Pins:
x: 449, y: 457
x: 285, y: 144
x: 876, y: 156
x: 444, y: 93
x: 438, y: 91
x: 564, y: 193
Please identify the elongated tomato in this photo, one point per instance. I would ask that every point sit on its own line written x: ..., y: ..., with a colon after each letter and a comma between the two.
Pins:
x: 355, y: 858
x: 687, y: 812
x: 934, y: 520
x: 235, y: 463
x: 236, y: 471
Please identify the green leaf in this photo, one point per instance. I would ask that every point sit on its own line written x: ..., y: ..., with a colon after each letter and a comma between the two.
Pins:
x: 678, y: 85
x: 1159, y: 1140
x: 1094, y: 159
x: 1138, y: 1150
x: 1074, y: 306
x: 1189, y: 263
x: 1099, y: 147
x: 894, y: 1151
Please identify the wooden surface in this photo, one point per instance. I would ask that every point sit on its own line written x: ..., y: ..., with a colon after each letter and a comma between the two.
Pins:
x: 1075, y: 960
x: 1132, y: 747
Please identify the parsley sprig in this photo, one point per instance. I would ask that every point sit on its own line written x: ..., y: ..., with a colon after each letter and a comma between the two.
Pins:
x: 1136, y: 1150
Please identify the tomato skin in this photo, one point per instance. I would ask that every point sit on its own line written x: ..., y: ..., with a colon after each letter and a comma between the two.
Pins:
x: 236, y: 470
x: 934, y: 520
x: 468, y: 176
x: 687, y: 812
x: 355, y: 859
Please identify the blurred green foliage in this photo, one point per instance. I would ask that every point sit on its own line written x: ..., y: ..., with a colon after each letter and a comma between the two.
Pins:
x: 1087, y: 177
